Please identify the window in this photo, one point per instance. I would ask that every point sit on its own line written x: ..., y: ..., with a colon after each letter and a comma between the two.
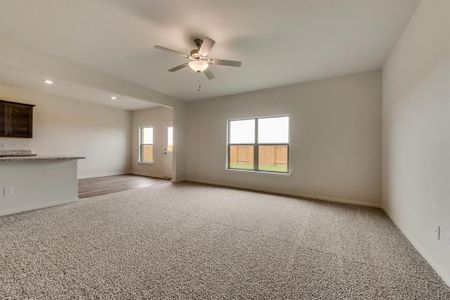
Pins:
x: 259, y: 144
x: 169, y: 139
x: 146, y: 145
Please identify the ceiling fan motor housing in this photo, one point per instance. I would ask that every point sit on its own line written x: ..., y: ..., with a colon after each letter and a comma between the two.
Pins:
x: 195, y: 54
x: 198, y: 42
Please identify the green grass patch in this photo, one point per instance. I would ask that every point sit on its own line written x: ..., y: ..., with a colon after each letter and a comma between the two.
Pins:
x: 282, y: 168
x: 274, y: 168
x: 241, y: 165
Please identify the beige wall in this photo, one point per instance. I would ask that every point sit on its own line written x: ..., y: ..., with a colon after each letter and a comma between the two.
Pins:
x: 179, y: 132
x: 416, y: 133
x: 335, y: 138
x: 69, y: 127
x: 159, y: 118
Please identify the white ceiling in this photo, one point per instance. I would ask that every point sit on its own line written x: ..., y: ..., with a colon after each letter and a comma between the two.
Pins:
x: 14, y: 76
x: 279, y: 41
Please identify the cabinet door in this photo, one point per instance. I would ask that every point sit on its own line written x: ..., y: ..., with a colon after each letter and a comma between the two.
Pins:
x: 20, y: 118
x: 2, y: 119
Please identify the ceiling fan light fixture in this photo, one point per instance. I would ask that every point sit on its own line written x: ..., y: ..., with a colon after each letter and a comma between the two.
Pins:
x: 198, y: 65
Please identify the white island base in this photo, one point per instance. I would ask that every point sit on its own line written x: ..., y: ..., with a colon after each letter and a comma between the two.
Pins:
x: 28, y: 183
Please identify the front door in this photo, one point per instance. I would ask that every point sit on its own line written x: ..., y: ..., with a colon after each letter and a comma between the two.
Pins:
x: 168, y: 150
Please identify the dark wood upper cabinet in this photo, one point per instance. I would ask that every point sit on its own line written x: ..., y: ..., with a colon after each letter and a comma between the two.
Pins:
x: 16, y: 119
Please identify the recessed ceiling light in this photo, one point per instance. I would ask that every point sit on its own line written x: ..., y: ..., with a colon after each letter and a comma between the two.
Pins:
x: 113, y: 98
x: 48, y: 81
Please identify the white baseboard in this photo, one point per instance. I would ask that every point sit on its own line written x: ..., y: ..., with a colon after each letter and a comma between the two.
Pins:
x: 425, y: 254
x: 34, y: 207
x: 178, y: 180
x: 154, y: 175
x: 122, y: 173
x: 102, y: 175
x: 298, y: 195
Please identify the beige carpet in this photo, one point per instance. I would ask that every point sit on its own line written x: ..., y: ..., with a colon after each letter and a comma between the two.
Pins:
x: 191, y: 241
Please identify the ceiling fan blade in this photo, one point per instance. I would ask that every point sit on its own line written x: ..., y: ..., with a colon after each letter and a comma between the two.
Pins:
x: 209, y: 74
x: 179, y: 67
x: 230, y: 63
x: 171, y: 51
x: 206, y: 46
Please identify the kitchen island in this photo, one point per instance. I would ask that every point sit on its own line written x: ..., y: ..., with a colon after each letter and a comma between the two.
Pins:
x: 32, y: 182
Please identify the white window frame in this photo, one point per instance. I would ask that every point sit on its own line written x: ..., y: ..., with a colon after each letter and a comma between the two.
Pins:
x: 141, y: 129
x: 256, y: 145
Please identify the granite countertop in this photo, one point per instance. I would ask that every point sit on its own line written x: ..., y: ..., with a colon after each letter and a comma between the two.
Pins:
x: 38, y: 157
x: 9, y: 152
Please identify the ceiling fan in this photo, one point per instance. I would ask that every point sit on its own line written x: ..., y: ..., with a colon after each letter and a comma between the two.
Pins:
x: 199, y: 58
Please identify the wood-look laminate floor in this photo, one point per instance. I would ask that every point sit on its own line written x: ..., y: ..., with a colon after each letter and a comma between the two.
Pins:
x: 91, y: 187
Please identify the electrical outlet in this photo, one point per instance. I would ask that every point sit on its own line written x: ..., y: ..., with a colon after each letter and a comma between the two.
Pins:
x: 437, y: 231
x: 8, y: 191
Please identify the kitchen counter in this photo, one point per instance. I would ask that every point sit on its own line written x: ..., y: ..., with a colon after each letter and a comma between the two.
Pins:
x: 38, y: 157
x: 30, y: 182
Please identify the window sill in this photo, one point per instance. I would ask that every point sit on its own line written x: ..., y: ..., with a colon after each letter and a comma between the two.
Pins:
x: 146, y: 163
x: 259, y: 172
